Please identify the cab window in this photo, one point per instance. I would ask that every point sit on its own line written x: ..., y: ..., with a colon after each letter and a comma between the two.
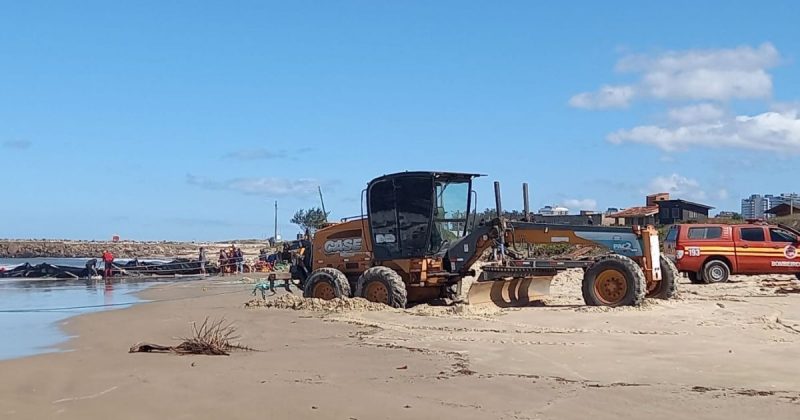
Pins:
x: 753, y: 234
x: 705, y: 233
x: 780, y: 235
x: 672, y: 235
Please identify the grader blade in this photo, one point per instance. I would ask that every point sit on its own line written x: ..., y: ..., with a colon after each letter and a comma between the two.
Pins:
x: 507, y: 293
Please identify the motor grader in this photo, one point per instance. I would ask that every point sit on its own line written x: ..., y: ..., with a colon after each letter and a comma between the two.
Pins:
x: 420, y: 238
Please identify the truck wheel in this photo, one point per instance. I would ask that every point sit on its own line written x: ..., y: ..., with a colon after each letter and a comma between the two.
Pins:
x: 326, y: 283
x: 382, y: 285
x: 716, y: 271
x: 614, y: 280
x: 694, y: 277
x: 668, y: 286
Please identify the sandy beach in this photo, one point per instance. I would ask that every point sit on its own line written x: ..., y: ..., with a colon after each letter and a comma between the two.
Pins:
x: 718, y: 352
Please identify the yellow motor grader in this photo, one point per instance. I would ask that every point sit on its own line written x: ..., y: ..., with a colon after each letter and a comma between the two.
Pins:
x: 420, y: 238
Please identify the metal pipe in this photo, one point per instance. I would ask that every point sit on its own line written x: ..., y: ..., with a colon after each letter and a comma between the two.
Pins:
x: 498, y: 204
x: 499, y: 207
x: 526, y: 202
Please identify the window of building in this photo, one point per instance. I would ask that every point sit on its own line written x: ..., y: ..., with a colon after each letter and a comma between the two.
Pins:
x: 676, y: 213
x: 705, y: 233
x: 753, y: 234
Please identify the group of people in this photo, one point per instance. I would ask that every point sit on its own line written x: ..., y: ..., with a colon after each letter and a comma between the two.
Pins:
x: 231, y: 260
x: 108, y: 266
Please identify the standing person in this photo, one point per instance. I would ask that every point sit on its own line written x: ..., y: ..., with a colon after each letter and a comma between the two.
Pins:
x: 108, y: 264
x: 203, y: 258
x: 91, y: 268
x: 223, y: 261
x: 239, y: 260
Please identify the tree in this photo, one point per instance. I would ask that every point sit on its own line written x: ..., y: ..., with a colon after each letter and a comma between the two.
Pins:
x: 310, y: 219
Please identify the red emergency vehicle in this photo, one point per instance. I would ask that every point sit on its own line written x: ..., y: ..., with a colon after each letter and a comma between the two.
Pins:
x: 710, y: 253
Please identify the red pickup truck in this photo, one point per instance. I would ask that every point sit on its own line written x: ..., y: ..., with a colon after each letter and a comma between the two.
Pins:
x: 710, y: 253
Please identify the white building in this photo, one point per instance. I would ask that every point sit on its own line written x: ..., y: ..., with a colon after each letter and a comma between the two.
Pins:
x: 553, y: 211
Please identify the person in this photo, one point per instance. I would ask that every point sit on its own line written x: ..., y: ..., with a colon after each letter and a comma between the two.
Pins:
x: 286, y: 255
x: 108, y: 264
x: 223, y: 262
x: 272, y: 259
x: 91, y: 268
x: 202, y: 258
x: 239, y: 258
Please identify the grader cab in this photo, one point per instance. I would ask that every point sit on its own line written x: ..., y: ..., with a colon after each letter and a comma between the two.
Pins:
x: 420, y: 239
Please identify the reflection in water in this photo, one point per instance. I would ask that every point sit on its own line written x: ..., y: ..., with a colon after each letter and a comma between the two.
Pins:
x: 30, y: 309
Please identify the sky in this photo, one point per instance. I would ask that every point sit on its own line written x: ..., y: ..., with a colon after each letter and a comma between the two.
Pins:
x: 187, y: 120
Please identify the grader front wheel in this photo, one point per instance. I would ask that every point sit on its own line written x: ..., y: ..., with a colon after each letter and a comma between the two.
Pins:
x: 614, y: 280
x: 667, y: 287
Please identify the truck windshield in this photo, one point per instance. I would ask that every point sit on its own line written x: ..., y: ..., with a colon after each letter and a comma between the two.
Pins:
x: 450, y: 213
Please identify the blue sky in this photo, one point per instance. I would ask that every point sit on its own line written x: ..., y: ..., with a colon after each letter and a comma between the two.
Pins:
x: 186, y: 120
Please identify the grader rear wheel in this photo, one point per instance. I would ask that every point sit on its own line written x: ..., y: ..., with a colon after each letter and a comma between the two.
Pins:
x: 614, y: 280
x: 382, y: 285
x: 326, y: 283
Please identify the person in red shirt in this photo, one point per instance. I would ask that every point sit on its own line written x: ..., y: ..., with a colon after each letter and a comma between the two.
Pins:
x: 108, y: 263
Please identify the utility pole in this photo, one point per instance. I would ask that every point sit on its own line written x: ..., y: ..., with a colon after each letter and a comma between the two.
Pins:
x: 275, y: 237
x: 322, y: 201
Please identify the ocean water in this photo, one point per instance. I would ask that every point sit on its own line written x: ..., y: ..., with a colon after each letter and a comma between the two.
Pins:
x: 32, y: 309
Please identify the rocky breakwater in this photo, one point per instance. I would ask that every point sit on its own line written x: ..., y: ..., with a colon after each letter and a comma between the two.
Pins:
x: 93, y: 249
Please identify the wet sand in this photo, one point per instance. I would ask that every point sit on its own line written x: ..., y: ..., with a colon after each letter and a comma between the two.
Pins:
x: 719, y: 352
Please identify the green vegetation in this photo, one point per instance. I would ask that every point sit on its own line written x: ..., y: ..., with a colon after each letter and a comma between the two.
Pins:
x: 310, y: 219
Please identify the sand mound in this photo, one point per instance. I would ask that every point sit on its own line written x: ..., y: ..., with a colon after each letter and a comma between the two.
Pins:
x: 298, y: 303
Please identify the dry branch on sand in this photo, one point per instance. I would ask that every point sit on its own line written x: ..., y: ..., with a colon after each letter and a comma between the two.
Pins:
x: 213, y: 338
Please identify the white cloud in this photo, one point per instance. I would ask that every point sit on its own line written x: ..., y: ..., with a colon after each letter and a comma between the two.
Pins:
x: 696, y: 113
x: 722, y: 194
x: 769, y: 131
x: 605, y: 97
x: 716, y: 74
x: 581, y: 204
x: 258, y: 186
x: 677, y: 186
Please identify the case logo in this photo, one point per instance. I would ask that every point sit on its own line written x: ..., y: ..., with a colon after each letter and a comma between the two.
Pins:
x: 342, y: 245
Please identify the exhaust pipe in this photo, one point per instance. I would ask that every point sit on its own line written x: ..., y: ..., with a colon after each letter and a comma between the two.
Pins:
x: 499, y: 208
x: 525, y: 202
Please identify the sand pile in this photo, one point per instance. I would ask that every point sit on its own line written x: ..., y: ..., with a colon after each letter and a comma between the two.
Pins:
x: 298, y: 303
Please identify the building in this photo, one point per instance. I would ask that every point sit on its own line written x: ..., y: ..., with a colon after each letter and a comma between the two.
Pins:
x: 641, y: 216
x: 570, y: 219
x: 661, y: 210
x: 553, y: 211
x: 785, y: 209
x: 653, y: 199
x: 728, y: 215
x: 756, y: 206
x: 678, y: 211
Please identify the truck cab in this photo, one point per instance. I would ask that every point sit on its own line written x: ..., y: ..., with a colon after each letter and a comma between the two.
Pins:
x: 710, y: 253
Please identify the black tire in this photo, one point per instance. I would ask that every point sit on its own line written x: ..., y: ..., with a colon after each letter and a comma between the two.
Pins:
x: 382, y: 281
x: 667, y: 288
x: 315, y: 284
x: 716, y: 271
x: 694, y: 277
x: 632, y: 276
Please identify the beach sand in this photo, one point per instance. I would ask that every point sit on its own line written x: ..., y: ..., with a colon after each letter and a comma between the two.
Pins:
x: 718, y: 352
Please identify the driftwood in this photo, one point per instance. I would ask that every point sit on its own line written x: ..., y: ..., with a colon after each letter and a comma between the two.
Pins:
x: 211, y: 338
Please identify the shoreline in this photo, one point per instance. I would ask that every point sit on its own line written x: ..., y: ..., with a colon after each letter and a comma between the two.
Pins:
x: 721, y: 351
